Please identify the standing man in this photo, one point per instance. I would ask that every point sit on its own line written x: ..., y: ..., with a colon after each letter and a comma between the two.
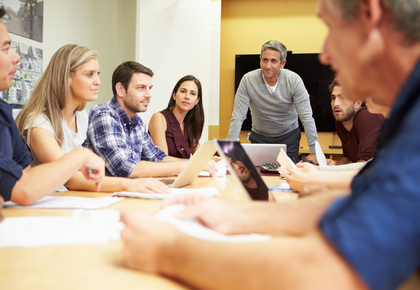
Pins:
x: 276, y: 97
x: 369, y: 239
x: 118, y: 134
x: 19, y: 182
x: 357, y: 128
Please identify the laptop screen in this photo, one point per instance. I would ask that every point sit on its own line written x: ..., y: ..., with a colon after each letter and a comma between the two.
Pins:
x: 244, y: 169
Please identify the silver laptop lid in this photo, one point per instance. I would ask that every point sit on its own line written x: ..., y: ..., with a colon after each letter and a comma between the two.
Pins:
x: 241, y: 166
x: 263, y: 153
x: 196, y: 164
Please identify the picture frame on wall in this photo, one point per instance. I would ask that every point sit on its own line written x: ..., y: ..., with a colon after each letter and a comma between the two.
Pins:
x: 24, y: 17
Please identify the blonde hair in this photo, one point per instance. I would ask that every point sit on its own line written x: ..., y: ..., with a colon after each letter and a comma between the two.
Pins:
x: 51, y: 93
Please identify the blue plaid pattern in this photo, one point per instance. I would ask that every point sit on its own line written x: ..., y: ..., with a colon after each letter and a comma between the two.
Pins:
x: 122, y: 142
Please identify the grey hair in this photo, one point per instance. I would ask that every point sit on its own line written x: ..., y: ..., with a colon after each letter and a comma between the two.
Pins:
x: 404, y: 14
x: 275, y: 45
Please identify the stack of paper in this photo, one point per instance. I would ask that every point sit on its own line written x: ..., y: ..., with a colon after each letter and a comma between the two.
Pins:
x: 84, y: 227
x: 69, y: 202
x: 208, y: 191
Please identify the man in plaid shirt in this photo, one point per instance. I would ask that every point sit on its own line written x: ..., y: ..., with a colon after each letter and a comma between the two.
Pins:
x: 120, y: 137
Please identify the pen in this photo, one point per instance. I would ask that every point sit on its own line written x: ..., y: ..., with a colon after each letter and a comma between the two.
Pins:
x: 281, y: 189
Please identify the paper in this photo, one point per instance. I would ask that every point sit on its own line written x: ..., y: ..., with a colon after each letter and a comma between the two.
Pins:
x: 221, y: 170
x: 284, y: 160
x: 84, y: 227
x: 69, y: 202
x: 320, y: 156
x: 208, y: 191
x: 194, y: 229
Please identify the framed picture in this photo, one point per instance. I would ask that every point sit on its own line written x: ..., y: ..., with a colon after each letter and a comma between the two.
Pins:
x: 24, y: 17
x: 29, y: 70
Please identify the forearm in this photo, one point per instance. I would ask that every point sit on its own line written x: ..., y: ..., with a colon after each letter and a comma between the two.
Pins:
x: 240, y: 110
x: 109, y: 184
x: 306, y: 262
x: 234, y: 129
x: 342, y: 160
x: 44, y: 179
x: 292, y: 218
x: 310, y: 129
x: 157, y: 169
x: 336, y: 180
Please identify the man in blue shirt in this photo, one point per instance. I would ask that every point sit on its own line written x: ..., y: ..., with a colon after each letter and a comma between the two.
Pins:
x: 119, y: 135
x: 18, y: 181
x: 369, y: 239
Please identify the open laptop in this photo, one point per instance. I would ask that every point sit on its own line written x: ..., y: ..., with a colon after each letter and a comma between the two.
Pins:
x: 240, y: 165
x: 263, y: 153
x: 194, y: 166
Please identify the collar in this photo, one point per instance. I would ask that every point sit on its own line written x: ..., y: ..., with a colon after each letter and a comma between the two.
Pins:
x: 134, y: 121
x: 406, y: 100
x: 268, y: 86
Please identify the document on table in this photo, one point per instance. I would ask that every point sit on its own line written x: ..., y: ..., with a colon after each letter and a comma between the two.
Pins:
x: 195, y: 229
x: 69, y: 202
x: 221, y: 170
x: 84, y: 227
x: 208, y: 191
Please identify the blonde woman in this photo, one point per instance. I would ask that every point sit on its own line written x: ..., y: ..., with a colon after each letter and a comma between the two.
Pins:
x: 54, y: 123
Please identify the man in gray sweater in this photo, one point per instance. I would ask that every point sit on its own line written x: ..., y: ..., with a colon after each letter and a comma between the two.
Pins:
x: 276, y: 97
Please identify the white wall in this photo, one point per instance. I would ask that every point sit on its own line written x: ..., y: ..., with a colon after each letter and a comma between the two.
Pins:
x: 127, y: 27
x: 215, y: 18
x: 173, y: 40
x: 172, y: 37
x: 92, y: 23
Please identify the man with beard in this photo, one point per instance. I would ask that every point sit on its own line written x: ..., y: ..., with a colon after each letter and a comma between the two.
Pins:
x: 249, y: 178
x: 356, y: 127
x: 119, y: 136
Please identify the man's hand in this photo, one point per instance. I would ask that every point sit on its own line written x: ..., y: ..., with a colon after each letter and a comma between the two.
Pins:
x: 147, y: 185
x: 1, y: 206
x: 221, y: 216
x: 145, y: 241
x: 312, y: 157
x: 303, y: 179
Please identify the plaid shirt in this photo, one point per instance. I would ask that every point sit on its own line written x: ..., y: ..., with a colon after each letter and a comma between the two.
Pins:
x: 121, y: 142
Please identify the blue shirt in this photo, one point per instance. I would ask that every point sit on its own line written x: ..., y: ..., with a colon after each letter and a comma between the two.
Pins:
x: 122, y: 142
x: 14, y: 154
x: 377, y: 228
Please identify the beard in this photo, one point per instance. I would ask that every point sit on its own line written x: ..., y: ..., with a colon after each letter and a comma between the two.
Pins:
x: 346, y: 115
x: 133, y: 105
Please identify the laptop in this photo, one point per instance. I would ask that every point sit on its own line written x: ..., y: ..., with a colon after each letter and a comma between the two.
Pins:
x: 240, y: 165
x: 263, y: 153
x: 194, y: 166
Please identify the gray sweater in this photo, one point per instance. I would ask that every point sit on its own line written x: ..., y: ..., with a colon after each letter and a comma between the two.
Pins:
x: 273, y: 114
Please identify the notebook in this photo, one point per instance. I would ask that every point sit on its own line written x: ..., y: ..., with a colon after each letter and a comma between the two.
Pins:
x: 194, y: 166
x: 240, y: 165
x: 263, y: 153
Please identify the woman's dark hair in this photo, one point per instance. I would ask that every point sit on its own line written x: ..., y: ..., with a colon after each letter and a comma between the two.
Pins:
x: 194, y: 120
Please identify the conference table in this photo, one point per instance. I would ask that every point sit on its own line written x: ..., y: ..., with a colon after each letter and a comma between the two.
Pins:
x: 99, y: 266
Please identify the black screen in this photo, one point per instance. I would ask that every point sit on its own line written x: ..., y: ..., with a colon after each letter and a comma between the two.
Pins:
x: 244, y: 169
x: 315, y: 76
